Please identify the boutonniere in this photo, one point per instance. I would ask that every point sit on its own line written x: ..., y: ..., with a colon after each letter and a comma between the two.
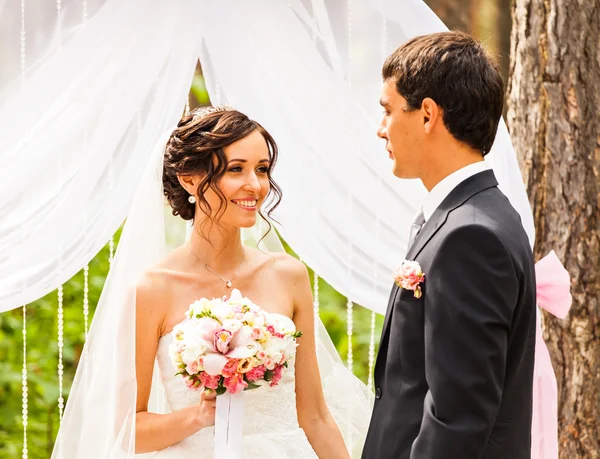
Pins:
x: 409, y: 276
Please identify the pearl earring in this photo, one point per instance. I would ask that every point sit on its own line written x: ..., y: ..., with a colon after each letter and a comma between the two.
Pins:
x: 192, y: 199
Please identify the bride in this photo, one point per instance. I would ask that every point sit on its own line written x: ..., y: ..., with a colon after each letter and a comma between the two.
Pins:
x: 217, y: 173
x: 126, y: 399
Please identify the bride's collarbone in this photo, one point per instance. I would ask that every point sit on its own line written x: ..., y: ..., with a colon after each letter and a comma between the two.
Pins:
x: 265, y: 290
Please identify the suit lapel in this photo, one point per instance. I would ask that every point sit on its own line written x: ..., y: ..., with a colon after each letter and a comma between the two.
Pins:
x: 390, y: 306
x: 465, y: 190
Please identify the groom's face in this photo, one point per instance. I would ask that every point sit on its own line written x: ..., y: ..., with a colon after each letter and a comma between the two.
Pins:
x: 401, y: 132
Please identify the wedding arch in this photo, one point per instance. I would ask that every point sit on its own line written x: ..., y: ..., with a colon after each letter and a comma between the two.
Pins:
x: 89, y: 86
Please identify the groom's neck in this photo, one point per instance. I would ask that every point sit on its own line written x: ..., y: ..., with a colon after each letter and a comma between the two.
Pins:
x: 444, y: 161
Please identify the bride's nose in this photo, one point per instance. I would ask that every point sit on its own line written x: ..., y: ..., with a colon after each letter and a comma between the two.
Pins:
x: 252, y: 183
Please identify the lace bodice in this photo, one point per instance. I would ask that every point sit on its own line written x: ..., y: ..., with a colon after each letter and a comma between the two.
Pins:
x: 270, y: 417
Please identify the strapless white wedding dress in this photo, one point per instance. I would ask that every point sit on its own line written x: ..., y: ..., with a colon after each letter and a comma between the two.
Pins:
x: 270, y: 429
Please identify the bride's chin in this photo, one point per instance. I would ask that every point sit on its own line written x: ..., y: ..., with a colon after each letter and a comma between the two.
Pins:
x: 248, y: 222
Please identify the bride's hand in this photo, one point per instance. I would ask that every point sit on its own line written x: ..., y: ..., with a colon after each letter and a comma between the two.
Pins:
x: 205, y: 410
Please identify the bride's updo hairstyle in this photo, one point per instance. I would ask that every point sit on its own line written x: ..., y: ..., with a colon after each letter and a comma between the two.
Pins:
x: 196, y: 148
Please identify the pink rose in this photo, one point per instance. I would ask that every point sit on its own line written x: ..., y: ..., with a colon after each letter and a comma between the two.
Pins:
x: 256, y: 373
x: 261, y: 355
x: 269, y: 364
x: 409, y: 276
x: 222, y: 340
x: 235, y: 383
x: 277, y: 374
x: 192, y: 368
x: 210, y: 382
x: 257, y: 334
x: 189, y: 382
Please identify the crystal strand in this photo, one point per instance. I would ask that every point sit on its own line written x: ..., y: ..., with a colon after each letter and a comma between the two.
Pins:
x: 86, y: 299
x: 350, y: 362
x: 187, y: 105
x: 24, y: 390
x: 23, y: 43
x: 85, y: 10
x: 217, y: 93
x: 383, y: 38
x: 349, y: 305
x: 316, y: 294
x: 371, y: 352
x: 111, y: 241
x: 61, y: 400
x: 350, y: 43
x: 58, y: 21
x: 111, y: 250
x: 349, y: 318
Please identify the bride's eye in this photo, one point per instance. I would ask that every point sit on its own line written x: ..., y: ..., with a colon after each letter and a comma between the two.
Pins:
x: 235, y: 169
x: 263, y: 169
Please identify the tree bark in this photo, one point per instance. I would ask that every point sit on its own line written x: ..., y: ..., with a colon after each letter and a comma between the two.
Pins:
x: 503, y: 31
x: 554, y: 119
x: 457, y: 15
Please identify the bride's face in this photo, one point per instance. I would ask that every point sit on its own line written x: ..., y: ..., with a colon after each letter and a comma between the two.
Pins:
x: 245, y: 184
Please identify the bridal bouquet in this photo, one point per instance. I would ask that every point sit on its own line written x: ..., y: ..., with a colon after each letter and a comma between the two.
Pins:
x: 231, y: 345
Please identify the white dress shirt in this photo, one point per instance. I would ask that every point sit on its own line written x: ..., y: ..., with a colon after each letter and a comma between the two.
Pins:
x: 439, y: 192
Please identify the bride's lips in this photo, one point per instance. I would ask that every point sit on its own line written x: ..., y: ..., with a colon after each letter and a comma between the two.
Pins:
x: 249, y: 204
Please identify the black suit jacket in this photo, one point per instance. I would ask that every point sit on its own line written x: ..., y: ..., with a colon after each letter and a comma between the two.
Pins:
x: 454, y: 371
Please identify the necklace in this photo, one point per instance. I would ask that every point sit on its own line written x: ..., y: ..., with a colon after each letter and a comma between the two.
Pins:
x: 228, y: 282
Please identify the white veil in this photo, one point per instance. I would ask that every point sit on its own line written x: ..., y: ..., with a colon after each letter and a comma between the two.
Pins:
x: 99, y: 420
x: 348, y: 398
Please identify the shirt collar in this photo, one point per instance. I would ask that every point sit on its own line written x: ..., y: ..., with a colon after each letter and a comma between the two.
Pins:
x: 439, y: 192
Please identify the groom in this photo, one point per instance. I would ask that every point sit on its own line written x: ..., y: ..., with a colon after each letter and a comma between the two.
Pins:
x: 454, y: 371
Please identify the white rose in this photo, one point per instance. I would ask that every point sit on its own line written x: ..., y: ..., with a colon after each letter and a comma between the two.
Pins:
x: 289, y: 346
x: 259, y: 321
x: 222, y: 311
x: 232, y: 325
x: 174, y: 355
x: 249, y: 318
x: 274, y: 349
x: 189, y: 355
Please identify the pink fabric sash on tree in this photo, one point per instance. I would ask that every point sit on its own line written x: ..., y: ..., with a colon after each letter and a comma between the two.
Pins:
x: 553, y: 284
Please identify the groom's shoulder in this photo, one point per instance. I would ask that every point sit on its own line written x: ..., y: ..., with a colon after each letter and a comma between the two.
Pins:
x: 490, y: 219
x: 489, y: 210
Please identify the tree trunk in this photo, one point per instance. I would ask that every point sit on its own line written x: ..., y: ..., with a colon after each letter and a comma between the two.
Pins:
x: 503, y: 30
x: 554, y: 119
x: 457, y: 15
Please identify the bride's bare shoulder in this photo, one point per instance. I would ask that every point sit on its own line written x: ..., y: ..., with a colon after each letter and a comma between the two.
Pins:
x: 156, y: 285
x: 291, y: 270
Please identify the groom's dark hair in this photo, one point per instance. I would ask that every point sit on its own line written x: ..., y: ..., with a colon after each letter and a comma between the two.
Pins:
x: 453, y: 69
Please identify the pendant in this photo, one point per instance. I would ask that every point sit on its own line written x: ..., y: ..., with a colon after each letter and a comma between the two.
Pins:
x: 228, y: 284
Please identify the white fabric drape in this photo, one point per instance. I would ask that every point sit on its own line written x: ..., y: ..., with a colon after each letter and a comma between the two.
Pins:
x: 77, y: 135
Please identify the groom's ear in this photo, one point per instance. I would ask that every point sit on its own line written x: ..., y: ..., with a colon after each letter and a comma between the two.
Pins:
x: 431, y: 114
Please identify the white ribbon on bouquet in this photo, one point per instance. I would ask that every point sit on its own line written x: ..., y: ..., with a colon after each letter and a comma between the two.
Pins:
x: 229, y: 422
